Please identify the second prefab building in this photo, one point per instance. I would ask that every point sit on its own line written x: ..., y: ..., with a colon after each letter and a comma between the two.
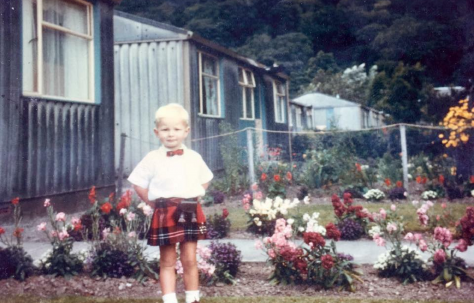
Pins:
x: 157, y: 64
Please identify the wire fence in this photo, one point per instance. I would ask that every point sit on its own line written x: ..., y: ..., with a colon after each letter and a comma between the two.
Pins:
x: 398, y: 152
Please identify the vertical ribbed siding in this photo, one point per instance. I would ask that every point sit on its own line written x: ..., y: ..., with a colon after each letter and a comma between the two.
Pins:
x: 147, y: 76
x: 60, y: 153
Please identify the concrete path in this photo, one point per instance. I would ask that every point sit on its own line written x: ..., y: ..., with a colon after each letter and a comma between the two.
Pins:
x: 363, y: 251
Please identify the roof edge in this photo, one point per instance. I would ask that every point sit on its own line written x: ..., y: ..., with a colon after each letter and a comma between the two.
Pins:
x: 151, y: 22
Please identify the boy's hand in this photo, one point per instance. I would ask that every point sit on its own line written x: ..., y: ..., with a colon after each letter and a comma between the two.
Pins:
x: 143, y: 194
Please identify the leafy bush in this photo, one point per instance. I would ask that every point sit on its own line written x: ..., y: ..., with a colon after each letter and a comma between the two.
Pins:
x: 226, y: 258
x: 405, y: 263
x: 275, y: 177
x: 111, y: 262
x: 218, y: 226
x: 397, y: 193
x: 15, y: 263
x: 350, y: 229
x: 61, y: 261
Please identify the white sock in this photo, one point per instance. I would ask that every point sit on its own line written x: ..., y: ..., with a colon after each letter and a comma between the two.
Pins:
x: 170, y: 298
x: 192, y: 296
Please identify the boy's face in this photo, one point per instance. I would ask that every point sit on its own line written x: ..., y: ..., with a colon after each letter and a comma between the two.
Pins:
x: 172, y: 131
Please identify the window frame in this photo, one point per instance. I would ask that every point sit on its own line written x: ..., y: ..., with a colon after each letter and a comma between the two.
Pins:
x: 279, y: 97
x: 299, y: 117
x: 217, y: 77
x: 41, y: 25
x: 245, y: 85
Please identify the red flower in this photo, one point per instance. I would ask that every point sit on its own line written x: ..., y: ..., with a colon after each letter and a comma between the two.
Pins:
x: 327, y: 261
x: 125, y: 200
x: 441, y: 179
x: 263, y: 177
x: 332, y: 232
x: 301, y: 266
x: 288, y: 253
x: 18, y: 231
x: 424, y: 180
x: 277, y: 178
x: 399, y: 184
x: 92, y: 195
x: 358, y: 167
x: 16, y: 201
x: 418, y: 180
x: 347, y: 198
x: 225, y: 213
x: 2, y: 231
x: 289, y: 176
x: 471, y: 179
x: 78, y: 226
x: 315, y: 238
x: 106, y: 207
x: 117, y: 230
x: 388, y: 182
x: 111, y: 197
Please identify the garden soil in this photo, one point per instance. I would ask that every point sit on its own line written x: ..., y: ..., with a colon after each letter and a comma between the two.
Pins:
x: 252, y: 281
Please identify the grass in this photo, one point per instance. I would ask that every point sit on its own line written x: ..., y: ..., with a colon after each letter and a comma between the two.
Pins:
x: 239, y: 219
x: 31, y: 299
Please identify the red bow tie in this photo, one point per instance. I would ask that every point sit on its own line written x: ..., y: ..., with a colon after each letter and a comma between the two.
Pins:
x: 172, y: 153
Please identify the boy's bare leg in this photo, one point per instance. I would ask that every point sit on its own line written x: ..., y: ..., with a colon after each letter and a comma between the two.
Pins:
x: 167, y: 269
x: 189, y: 261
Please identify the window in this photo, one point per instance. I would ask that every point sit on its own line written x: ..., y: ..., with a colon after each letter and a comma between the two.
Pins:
x: 309, y: 118
x: 58, y: 60
x: 279, y: 93
x: 299, y: 117
x: 247, y: 81
x: 209, y: 86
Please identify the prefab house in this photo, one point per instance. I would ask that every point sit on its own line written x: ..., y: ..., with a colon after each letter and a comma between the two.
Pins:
x: 301, y: 116
x: 157, y: 64
x: 332, y: 112
x: 56, y: 98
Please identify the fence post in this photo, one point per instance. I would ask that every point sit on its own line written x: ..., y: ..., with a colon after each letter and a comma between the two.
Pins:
x: 403, y: 139
x: 250, y: 153
x: 120, y: 170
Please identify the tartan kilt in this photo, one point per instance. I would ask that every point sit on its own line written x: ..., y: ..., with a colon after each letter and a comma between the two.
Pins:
x: 165, y: 228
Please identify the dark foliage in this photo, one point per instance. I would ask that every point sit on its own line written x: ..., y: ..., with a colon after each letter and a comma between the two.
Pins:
x: 218, y: 196
x: 111, y: 262
x: 226, y: 258
x: 15, y: 263
x: 350, y: 229
x: 218, y: 226
x: 397, y: 193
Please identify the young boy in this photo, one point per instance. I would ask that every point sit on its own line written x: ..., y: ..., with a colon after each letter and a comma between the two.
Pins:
x: 172, y: 179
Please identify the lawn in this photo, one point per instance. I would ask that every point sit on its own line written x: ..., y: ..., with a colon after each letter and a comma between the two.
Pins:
x: 22, y: 299
x: 239, y: 219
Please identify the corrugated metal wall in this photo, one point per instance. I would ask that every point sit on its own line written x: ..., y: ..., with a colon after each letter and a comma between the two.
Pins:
x: 147, y: 76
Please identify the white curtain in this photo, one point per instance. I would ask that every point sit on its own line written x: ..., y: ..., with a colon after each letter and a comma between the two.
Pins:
x: 30, y: 47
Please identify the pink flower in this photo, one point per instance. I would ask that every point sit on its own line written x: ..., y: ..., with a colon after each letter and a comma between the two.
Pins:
x: 409, y: 237
x: 54, y: 234
x: 61, y: 217
x: 443, y: 235
x: 179, y: 267
x: 75, y: 221
x: 439, y: 256
x: 259, y: 195
x: 132, y: 234
x: 42, y: 227
x: 429, y: 203
x: 422, y: 245
x: 258, y: 245
x: 47, y: 202
x: 254, y: 187
x: 418, y: 236
x: 438, y: 217
x: 267, y: 240
x: 423, y: 219
x: 105, y: 233
x: 63, y: 235
x: 383, y: 213
x: 130, y: 216
x: 246, y: 207
x: 379, y: 240
x: 147, y: 210
x: 393, y: 207
x: 271, y: 253
x: 462, y: 245
x: 391, y: 227
x: 443, y: 205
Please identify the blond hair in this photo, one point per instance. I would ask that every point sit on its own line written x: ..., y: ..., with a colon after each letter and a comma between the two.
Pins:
x: 172, y: 110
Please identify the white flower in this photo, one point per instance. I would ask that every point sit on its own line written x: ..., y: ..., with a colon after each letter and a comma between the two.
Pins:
x: 306, y: 217
x: 301, y: 229
x: 374, y: 194
x: 375, y: 230
x: 42, y: 226
x: 141, y: 205
x: 306, y: 200
x: 130, y: 216
x: 472, y: 193
x: 259, y: 223
x: 123, y: 211
x: 290, y: 221
x: 147, y: 210
x: 429, y: 194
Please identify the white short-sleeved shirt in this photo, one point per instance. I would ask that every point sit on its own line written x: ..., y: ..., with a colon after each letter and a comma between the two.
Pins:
x: 168, y: 177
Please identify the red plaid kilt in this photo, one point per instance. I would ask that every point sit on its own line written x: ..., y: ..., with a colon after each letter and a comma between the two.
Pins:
x: 166, y: 230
